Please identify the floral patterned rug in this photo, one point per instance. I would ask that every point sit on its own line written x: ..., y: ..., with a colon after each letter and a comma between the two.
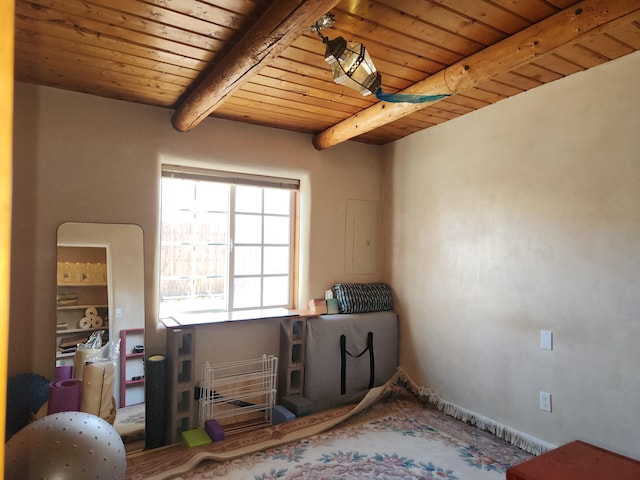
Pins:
x: 396, y: 438
x: 129, y: 423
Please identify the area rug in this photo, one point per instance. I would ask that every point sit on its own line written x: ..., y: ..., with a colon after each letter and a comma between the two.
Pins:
x: 396, y: 438
x: 394, y: 435
x: 129, y: 423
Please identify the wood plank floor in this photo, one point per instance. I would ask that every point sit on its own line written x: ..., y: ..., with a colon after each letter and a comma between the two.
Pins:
x: 148, y: 463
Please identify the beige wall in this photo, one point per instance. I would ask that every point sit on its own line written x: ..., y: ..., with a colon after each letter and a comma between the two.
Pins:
x: 87, y: 159
x: 520, y: 217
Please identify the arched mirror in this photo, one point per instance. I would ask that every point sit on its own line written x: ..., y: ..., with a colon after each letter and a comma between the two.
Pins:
x: 100, y: 288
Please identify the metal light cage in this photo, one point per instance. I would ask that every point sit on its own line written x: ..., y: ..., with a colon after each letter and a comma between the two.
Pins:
x: 352, y: 66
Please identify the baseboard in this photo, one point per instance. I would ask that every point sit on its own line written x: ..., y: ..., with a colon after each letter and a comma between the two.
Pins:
x: 522, y: 440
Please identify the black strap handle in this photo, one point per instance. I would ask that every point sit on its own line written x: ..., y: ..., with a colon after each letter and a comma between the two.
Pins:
x: 343, y: 364
x: 343, y: 361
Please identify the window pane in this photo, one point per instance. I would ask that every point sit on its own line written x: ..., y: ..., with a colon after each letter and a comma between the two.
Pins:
x: 196, y: 244
x: 176, y: 260
x: 177, y: 193
x: 277, y: 200
x: 172, y: 288
x: 276, y: 260
x: 176, y: 226
x: 210, y: 261
x: 211, y: 227
x: 246, y: 292
x: 276, y: 230
x: 248, y: 199
x: 248, y: 261
x: 276, y: 291
x: 212, y: 196
x: 248, y: 229
x: 211, y: 289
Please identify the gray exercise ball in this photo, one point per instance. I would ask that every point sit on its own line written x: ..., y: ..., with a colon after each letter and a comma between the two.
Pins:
x: 66, y: 445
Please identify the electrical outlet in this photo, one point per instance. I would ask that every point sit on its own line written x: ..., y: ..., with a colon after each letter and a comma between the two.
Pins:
x: 545, y: 401
x: 546, y: 340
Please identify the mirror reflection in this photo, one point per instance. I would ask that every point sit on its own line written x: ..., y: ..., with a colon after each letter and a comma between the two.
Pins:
x: 100, y: 321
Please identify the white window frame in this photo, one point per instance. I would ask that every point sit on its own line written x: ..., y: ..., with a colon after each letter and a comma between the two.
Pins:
x: 233, y: 179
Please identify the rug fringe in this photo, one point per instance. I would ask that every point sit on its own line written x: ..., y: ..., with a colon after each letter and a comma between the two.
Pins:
x: 521, y: 440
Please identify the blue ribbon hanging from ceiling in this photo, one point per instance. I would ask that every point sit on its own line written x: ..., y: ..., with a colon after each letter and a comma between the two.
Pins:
x: 408, y: 97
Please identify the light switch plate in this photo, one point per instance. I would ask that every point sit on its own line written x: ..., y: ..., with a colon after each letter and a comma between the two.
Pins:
x: 546, y: 340
x: 545, y: 401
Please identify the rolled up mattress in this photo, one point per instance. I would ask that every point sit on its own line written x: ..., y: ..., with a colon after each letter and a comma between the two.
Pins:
x: 97, y: 388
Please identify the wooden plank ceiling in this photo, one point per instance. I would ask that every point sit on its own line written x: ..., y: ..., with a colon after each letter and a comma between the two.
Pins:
x: 156, y: 52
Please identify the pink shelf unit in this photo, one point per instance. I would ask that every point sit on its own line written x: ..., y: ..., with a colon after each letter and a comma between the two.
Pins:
x: 127, y: 355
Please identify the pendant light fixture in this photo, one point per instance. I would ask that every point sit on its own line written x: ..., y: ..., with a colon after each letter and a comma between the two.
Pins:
x: 352, y: 67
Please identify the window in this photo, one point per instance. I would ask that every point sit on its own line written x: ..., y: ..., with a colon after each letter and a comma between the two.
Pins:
x: 227, y: 241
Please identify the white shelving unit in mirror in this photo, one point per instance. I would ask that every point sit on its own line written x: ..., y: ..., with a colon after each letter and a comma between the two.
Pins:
x: 100, y: 277
x: 82, y: 300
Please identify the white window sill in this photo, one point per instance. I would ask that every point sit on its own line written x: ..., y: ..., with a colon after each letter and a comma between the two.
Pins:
x: 208, y: 318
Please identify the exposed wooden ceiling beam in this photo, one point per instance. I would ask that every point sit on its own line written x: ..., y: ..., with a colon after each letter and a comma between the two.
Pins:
x: 581, y: 20
x: 277, y: 28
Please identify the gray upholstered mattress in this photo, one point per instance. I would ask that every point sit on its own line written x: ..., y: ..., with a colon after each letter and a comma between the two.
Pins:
x: 323, y: 364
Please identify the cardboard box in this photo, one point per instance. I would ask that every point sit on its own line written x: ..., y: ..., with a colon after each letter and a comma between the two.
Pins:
x: 332, y: 305
x: 318, y: 306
